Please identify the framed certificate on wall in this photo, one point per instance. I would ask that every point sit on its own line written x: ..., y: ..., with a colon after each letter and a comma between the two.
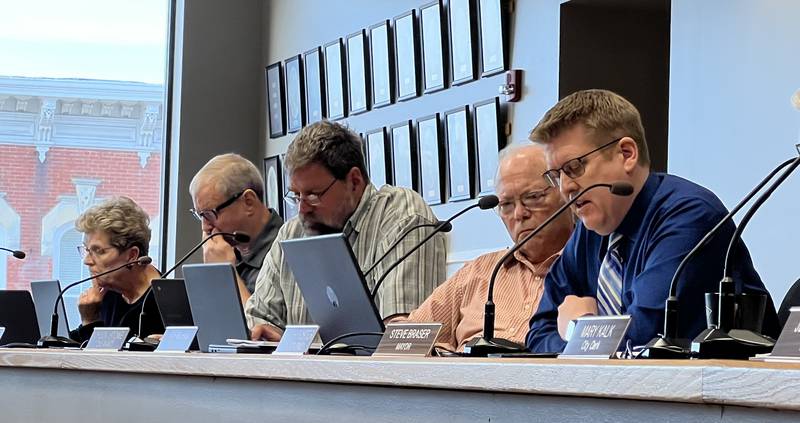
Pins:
x: 381, y: 54
x: 295, y: 107
x: 488, y: 141
x: 459, y: 154
x: 377, y: 157
x: 357, y: 72
x: 492, y: 24
x: 431, y: 158
x: 335, y: 86
x: 462, y: 41
x: 273, y: 184
x: 314, y: 85
x: 433, y: 63
x: 275, y: 99
x: 404, y: 163
x: 290, y: 209
x: 405, y: 47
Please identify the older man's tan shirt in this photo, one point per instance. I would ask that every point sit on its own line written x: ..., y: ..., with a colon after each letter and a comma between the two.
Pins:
x: 459, y: 302
x: 380, y: 218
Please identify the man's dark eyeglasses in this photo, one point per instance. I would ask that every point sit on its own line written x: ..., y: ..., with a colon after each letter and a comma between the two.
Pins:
x: 574, y: 168
x: 211, y: 215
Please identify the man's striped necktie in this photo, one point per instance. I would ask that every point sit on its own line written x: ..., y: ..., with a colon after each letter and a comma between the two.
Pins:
x: 609, y: 283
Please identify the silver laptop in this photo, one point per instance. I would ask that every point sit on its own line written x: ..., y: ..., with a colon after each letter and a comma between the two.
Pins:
x: 45, y: 294
x: 215, y: 303
x: 330, y: 279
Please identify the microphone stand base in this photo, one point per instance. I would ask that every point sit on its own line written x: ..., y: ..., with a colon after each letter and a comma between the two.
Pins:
x: 481, y: 347
x: 734, y: 344
x: 57, y: 342
x: 667, y: 348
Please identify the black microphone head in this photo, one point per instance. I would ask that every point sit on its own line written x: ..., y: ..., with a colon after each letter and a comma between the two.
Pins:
x: 18, y: 254
x: 444, y: 226
x: 488, y: 202
x: 144, y: 260
x: 621, y: 188
x: 241, y: 237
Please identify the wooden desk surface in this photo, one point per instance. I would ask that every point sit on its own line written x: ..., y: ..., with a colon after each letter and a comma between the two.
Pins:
x: 737, y: 383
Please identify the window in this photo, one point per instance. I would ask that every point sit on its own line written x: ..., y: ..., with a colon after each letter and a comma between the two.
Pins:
x: 82, y: 111
x: 3, y: 258
x: 68, y: 267
x: 9, y: 237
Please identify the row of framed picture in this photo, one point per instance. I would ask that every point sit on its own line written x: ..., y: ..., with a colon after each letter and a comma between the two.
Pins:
x: 423, y: 50
x: 445, y: 157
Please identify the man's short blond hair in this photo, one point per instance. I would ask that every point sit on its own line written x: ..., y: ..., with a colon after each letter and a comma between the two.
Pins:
x: 126, y: 224
x: 606, y: 115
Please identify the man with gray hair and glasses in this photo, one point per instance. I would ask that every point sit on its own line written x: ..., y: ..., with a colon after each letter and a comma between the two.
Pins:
x: 227, y: 195
x: 328, y: 181
x: 526, y: 200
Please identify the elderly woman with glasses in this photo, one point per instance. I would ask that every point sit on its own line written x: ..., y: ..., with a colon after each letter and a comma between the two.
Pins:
x: 116, y: 232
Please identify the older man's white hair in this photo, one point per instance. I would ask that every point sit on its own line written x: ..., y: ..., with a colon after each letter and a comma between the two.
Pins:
x: 508, y: 151
x: 230, y: 174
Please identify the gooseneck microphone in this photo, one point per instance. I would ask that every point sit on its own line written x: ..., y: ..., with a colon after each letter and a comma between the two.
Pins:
x: 737, y: 234
x: 53, y: 340
x: 488, y: 344
x: 239, y: 237
x: 724, y: 340
x: 445, y: 227
x: 16, y: 253
x: 485, y: 203
x: 667, y: 344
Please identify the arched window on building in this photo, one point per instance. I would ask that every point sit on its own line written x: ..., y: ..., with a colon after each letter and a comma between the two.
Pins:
x: 9, y: 238
x: 4, y: 258
x: 68, y: 267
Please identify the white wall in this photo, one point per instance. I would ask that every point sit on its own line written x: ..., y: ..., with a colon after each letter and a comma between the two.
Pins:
x: 734, y: 67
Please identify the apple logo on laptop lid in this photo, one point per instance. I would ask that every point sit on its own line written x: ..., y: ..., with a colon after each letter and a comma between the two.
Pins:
x: 332, y: 297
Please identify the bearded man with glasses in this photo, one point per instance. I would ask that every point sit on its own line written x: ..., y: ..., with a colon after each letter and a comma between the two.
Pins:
x: 624, y: 251
x: 328, y: 181
x: 227, y: 193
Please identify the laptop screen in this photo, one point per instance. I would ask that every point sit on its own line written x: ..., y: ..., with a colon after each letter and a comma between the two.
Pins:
x: 215, y: 303
x: 333, y: 287
x: 45, y: 294
x: 18, y: 316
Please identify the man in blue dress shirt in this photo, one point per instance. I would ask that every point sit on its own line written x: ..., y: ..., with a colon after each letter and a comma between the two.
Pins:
x: 596, y: 136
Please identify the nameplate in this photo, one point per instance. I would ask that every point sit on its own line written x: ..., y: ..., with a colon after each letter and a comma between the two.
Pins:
x: 788, y: 343
x: 408, y: 339
x: 2, y: 331
x: 177, y: 339
x: 107, y: 339
x: 596, y: 337
x: 296, y: 339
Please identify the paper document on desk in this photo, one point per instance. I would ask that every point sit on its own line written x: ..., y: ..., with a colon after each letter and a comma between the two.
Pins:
x: 249, y: 343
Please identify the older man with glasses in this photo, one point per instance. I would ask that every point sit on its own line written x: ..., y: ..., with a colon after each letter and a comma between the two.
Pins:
x: 328, y: 181
x: 622, y: 255
x: 227, y: 195
x: 525, y: 202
